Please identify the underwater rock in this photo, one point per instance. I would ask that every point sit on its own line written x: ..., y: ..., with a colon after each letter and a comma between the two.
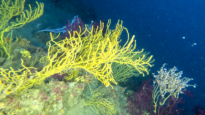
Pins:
x: 2, y: 59
x: 9, y: 63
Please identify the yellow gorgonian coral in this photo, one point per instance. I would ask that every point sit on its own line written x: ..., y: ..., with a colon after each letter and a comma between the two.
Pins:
x: 95, y: 52
x: 26, y: 53
x: 8, y: 10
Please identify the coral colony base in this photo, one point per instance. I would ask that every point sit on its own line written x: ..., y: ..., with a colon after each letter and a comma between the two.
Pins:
x: 79, y: 74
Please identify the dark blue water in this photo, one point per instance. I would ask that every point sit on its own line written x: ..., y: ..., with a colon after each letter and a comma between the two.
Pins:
x: 172, y: 30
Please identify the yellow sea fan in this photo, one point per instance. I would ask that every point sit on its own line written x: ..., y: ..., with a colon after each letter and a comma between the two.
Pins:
x: 10, y: 9
x: 95, y: 53
x: 25, y: 53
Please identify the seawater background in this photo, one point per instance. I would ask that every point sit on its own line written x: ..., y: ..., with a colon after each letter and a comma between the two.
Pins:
x: 172, y: 30
x: 160, y: 27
